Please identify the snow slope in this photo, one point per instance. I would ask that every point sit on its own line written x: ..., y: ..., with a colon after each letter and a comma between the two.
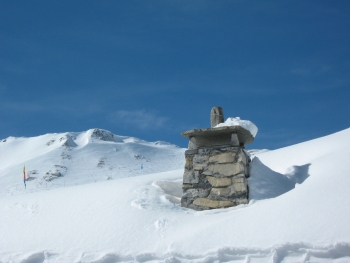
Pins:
x: 80, y: 158
x: 298, y: 212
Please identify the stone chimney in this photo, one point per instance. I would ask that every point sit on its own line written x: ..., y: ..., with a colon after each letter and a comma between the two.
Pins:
x: 217, y: 166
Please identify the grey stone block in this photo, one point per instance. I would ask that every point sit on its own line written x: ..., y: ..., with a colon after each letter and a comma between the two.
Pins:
x: 207, y: 172
x: 228, y: 157
x: 191, y: 145
x: 220, y: 192
x: 204, y: 185
x: 186, y: 186
x: 194, y: 193
x: 219, y: 182
x: 226, y: 169
x: 186, y: 202
x: 189, y: 162
x: 204, y: 151
x: 199, y: 167
x: 234, y: 139
x: 239, y: 185
x: 197, y: 208
x: 243, y: 157
x: 191, y: 152
x: 200, y: 159
x: 190, y: 178
x: 231, y: 149
x: 240, y: 175
x: 212, y: 203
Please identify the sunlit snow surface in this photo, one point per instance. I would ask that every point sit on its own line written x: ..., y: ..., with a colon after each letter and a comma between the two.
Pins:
x: 248, y: 125
x: 87, y: 157
x: 298, y: 212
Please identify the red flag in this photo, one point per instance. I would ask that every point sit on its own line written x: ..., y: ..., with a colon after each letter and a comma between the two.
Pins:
x: 24, y: 176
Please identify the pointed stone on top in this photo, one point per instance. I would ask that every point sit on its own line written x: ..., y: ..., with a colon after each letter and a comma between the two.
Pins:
x: 216, y: 116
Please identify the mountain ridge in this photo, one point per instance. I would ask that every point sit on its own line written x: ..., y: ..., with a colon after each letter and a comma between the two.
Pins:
x: 57, y: 159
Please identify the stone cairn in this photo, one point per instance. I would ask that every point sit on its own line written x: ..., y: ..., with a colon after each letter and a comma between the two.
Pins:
x: 217, y: 166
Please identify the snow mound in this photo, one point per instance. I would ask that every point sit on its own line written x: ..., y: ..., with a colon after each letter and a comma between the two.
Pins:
x: 248, y: 125
x: 265, y: 183
x: 171, y: 189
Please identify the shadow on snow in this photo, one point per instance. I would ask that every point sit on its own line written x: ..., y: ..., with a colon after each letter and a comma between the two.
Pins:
x: 265, y: 183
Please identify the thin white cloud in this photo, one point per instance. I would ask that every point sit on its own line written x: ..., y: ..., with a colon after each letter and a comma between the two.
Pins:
x: 311, y: 70
x: 21, y: 106
x: 58, y: 104
x: 140, y: 119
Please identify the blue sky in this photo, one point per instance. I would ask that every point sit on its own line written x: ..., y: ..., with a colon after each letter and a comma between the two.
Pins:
x: 152, y: 69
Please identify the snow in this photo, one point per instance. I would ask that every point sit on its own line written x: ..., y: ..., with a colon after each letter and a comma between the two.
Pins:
x: 248, y: 125
x: 86, y: 157
x: 298, y: 209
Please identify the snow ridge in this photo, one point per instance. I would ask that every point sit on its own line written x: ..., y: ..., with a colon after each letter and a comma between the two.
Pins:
x: 289, y: 252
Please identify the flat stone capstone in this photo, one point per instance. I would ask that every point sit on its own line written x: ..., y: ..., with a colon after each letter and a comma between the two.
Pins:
x: 244, y: 136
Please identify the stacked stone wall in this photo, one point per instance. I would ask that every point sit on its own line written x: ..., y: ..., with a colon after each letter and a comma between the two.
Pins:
x: 215, y: 177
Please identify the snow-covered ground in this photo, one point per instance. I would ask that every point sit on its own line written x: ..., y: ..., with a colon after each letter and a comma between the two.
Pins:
x: 79, y: 158
x: 299, y: 208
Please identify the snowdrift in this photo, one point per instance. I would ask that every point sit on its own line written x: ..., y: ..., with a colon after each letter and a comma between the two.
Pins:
x: 298, y: 212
